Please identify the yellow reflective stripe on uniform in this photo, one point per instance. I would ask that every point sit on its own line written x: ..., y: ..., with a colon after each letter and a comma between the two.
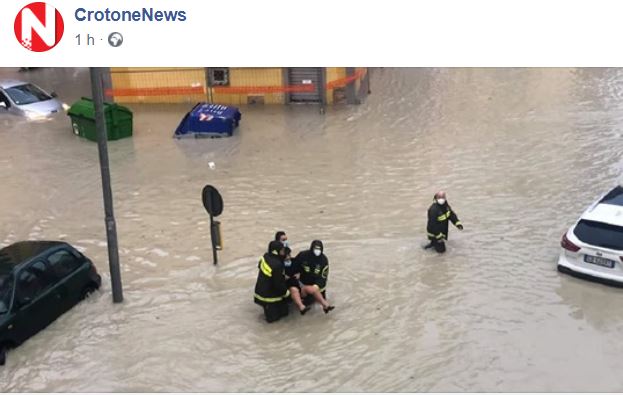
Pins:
x: 458, y: 223
x: 269, y: 300
x: 431, y: 234
x: 440, y: 236
x: 265, y: 268
x: 272, y: 300
x: 445, y: 216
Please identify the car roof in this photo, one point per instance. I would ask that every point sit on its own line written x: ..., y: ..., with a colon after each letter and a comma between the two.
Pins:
x: 5, y: 84
x: 15, y: 254
x: 607, y: 213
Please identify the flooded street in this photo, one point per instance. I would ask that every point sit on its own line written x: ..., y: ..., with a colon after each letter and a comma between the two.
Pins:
x: 521, y: 153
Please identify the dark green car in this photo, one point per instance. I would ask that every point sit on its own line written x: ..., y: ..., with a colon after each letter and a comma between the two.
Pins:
x: 39, y: 281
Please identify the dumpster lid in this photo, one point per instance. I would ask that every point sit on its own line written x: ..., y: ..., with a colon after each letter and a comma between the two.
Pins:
x: 202, y: 110
x: 85, y: 108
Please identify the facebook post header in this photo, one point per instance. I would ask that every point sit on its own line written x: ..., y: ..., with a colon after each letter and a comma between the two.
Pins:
x: 265, y: 33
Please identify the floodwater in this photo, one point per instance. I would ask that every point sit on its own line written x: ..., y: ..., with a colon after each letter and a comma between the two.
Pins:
x: 521, y: 152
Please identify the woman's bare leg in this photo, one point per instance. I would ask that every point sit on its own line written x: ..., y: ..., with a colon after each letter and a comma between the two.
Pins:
x: 315, y: 291
x: 296, y: 297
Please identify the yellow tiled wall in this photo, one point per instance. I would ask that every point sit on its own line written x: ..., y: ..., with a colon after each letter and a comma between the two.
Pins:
x: 139, y: 79
x: 158, y: 77
x: 245, y: 77
x: 334, y: 73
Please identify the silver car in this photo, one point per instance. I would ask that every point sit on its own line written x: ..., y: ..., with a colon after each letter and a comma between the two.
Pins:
x: 26, y: 99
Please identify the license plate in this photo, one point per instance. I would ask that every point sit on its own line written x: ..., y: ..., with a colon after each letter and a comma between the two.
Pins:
x: 596, y: 260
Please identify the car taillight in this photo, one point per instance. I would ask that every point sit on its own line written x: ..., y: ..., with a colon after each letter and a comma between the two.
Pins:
x: 568, y: 245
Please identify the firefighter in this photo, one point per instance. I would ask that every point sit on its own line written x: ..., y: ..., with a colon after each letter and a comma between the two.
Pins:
x: 314, y: 274
x: 282, y: 237
x: 293, y: 273
x: 439, y: 214
x: 271, y: 290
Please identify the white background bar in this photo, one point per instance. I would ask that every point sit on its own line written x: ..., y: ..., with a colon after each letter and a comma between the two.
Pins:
x: 335, y: 32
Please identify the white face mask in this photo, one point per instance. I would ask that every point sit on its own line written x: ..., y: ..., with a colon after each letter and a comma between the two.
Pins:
x: 285, y: 243
x: 317, y: 251
x: 441, y: 201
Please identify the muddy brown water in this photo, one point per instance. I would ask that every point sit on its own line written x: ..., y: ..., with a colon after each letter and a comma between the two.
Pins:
x: 521, y: 152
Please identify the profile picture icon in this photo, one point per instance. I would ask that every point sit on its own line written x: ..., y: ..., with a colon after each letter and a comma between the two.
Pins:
x: 115, y: 39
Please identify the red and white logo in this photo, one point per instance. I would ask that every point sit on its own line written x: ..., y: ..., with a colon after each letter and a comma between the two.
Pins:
x: 39, y: 27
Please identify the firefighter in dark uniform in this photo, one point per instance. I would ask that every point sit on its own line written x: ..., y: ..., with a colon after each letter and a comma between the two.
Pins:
x: 314, y: 266
x: 439, y: 214
x: 271, y: 290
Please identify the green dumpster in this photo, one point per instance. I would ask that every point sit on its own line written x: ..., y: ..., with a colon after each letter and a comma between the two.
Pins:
x: 118, y: 120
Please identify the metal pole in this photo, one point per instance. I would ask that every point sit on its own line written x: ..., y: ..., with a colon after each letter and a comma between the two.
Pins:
x: 212, y: 238
x: 102, y: 145
x: 322, y: 89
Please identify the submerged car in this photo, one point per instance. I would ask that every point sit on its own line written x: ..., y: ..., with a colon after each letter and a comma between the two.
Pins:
x: 28, y: 100
x: 39, y: 281
x: 593, y: 246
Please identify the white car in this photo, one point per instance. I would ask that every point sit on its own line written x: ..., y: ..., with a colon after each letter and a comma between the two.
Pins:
x: 28, y: 100
x: 593, y: 247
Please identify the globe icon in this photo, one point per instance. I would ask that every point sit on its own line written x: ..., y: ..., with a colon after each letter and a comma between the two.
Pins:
x: 115, y: 39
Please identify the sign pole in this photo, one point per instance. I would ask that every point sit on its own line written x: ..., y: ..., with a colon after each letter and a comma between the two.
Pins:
x: 213, y: 203
x: 102, y: 145
x: 212, y: 237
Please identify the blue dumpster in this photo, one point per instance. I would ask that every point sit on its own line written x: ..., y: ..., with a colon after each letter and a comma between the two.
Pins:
x: 209, y: 120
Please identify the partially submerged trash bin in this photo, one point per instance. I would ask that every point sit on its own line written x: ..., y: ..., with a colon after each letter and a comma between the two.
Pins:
x: 118, y: 120
x: 209, y: 120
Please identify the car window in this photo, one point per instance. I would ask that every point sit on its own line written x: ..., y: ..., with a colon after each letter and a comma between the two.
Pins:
x: 32, y: 281
x: 26, y: 94
x: 6, y: 292
x: 614, y: 197
x: 600, y: 234
x: 63, y: 263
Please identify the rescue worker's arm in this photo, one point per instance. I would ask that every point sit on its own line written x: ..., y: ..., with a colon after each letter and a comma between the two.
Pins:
x: 455, y: 220
x: 279, y: 282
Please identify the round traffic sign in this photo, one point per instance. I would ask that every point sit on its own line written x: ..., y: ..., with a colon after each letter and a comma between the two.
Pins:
x: 212, y: 200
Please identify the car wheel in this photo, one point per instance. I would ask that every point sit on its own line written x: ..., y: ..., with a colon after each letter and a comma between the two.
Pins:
x: 88, y: 290
x: 3, y: 350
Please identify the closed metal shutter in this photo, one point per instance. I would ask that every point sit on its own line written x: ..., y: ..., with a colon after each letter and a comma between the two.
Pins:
x: 305, y: 76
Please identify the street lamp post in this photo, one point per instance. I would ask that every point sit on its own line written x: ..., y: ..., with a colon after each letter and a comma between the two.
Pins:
x: 102, y: 145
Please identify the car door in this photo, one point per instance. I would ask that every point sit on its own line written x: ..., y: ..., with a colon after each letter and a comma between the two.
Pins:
x: 36, y: 304
x: 6, y: 107
x: 66, y: 267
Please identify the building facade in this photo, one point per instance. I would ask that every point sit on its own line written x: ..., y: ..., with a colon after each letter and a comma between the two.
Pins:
x: 238, y: 86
